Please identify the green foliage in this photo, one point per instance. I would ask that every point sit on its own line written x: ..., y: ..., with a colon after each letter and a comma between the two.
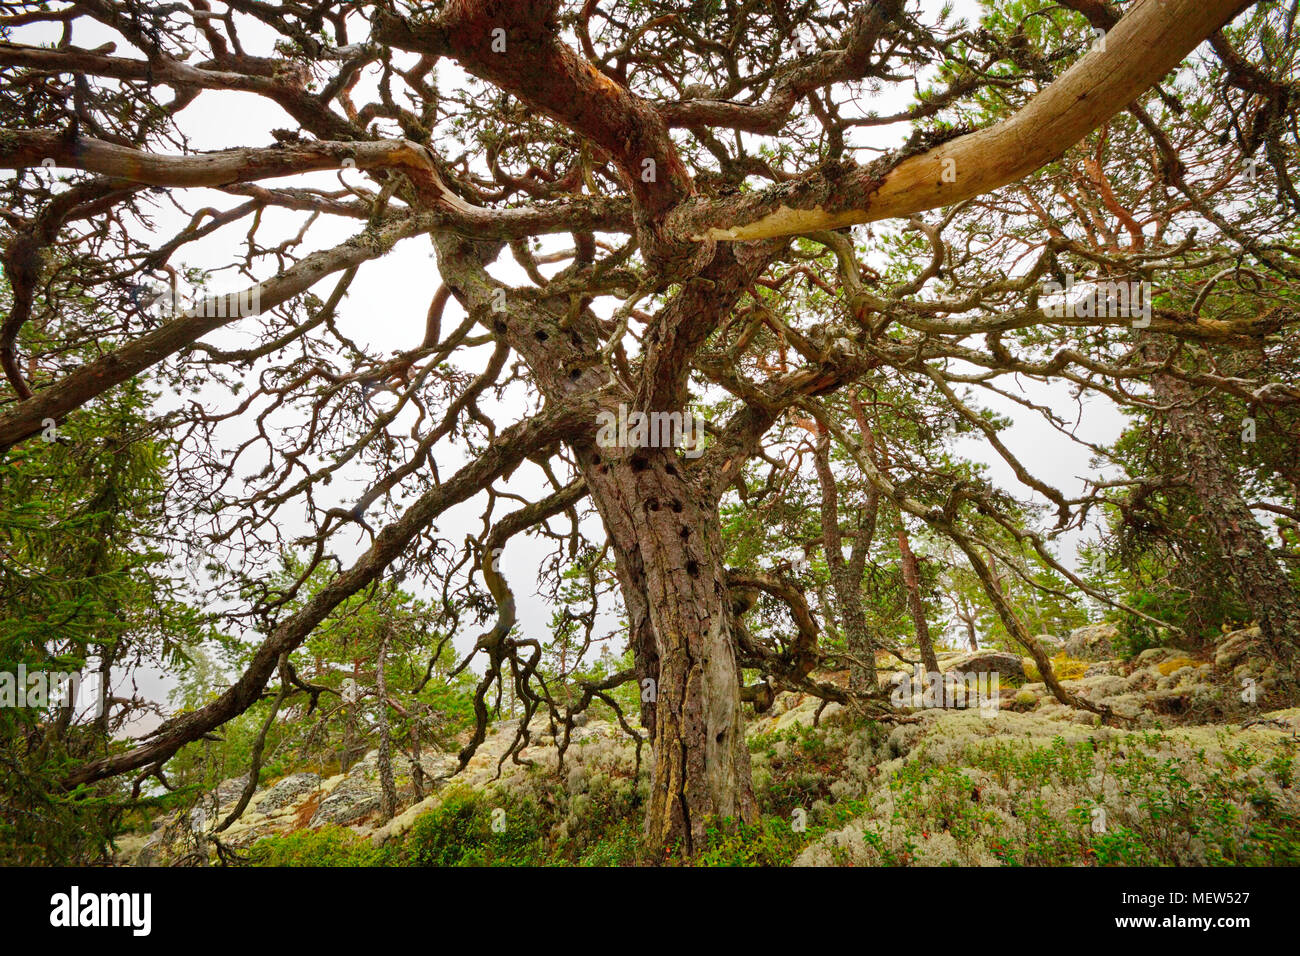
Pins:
x: 327, y: 846
x: 460, y: 832
x: 772, y: 841
x: 1171, y: 810
x: 342, y: 727
x: 617, y: 845
x: 803, y: 763
x: 83, y: 580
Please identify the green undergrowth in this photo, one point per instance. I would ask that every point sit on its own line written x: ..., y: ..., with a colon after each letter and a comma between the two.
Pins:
x: 470, y: 828
x: 1125, y: 800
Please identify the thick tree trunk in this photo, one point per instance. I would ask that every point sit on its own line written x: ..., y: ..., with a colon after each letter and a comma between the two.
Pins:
x: 665, y: 533
x: 668, y: 542
x: 1260, y: 579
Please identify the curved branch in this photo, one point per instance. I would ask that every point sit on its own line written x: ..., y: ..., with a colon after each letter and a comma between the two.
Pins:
x: 510, y: 448
x: 24, y: 419
x: 1149, y: 41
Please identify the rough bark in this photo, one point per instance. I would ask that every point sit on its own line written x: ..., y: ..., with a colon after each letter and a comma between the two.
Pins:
x: 663, y: 526
x: 1260, y: 579
x: 665, y: 530
x: 1149, y: 41
x: 662, y: 523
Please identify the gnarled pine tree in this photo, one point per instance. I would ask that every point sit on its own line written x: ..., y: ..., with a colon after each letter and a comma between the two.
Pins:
x: 662, y: 155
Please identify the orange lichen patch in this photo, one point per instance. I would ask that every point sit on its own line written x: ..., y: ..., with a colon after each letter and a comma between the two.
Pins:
x: 307, y: 810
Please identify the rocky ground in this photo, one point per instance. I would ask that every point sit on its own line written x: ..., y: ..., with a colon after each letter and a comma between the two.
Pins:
x: 1199, y: 771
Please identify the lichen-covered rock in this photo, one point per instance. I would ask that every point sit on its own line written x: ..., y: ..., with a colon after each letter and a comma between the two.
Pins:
x: 844, y: 759
x: 1092, y: 642
x: 1052, y: 644
x: 1184, y: 675
x: 147, y: 855
x: 226, y: 792
x: 173, y: 839
x: 1154, y: 656
x: 975, y: 793
x: 902, y: 738
x: 1008, y: 666
x: 438, y: 767
x: 792, y: 710
x: 1100, y: 687
x: 290, y: 790
x: 1024, y: 701
x: 1142, y: 680
x: 354, y: 798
